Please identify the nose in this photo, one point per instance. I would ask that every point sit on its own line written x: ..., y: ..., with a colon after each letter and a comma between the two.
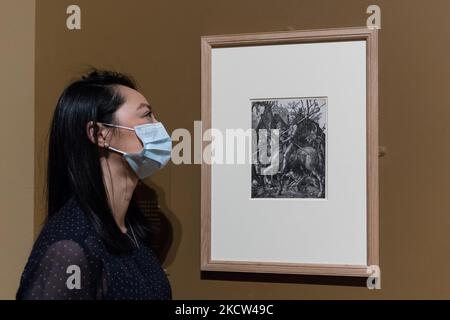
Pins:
x: 153, y: 119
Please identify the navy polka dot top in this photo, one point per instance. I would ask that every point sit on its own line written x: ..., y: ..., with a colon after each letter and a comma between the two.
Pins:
x: 69, y: 261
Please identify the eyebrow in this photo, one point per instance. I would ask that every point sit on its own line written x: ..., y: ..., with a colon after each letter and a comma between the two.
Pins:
x: 142, y: 105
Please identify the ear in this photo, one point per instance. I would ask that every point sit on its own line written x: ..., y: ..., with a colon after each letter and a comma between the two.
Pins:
x: 101, y: 136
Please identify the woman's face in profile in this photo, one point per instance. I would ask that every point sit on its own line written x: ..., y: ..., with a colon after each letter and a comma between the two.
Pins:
x: 135, y: 111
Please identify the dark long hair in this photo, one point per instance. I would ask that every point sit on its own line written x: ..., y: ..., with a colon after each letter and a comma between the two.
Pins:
x: 74, y: 161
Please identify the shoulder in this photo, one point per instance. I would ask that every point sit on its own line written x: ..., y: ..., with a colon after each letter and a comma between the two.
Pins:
x: 68, y: 223
x: 67, y: 250
x: 61, y: 254
x: 65, y: 240
x: 68, y: 229
x: 48, y: 275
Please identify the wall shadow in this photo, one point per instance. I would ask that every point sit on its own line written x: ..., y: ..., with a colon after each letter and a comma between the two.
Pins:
x: 151, y: 200
x: 285, y: 278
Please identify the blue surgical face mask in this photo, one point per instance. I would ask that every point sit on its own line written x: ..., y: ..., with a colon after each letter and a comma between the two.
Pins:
x: 156, y: 152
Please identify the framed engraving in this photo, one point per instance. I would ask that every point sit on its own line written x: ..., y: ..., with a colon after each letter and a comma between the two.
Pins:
x: 307, y: 202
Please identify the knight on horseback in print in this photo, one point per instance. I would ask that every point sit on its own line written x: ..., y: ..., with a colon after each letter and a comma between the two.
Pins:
x: 300, y: 160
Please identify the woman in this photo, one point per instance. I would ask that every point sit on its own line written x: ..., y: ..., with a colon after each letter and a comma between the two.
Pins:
x: 95, y: 243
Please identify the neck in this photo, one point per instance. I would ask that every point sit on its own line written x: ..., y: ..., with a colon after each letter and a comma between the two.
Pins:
x: 120, y: 182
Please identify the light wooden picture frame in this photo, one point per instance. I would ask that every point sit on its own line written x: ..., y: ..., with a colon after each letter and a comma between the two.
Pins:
x: 225, y: 246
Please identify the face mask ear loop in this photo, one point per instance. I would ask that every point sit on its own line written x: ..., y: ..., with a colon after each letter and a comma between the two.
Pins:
x: 116, y: 150
x: 117, y: 126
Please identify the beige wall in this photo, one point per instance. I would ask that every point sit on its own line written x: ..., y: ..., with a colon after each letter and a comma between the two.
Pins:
x: 17, y: 33
x: 159, y: 43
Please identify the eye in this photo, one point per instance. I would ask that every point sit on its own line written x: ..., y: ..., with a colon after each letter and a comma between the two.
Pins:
x: 148, y: 114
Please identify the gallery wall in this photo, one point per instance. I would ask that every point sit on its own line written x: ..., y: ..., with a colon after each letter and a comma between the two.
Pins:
x: 158, y: 42
x: 17, y: 27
